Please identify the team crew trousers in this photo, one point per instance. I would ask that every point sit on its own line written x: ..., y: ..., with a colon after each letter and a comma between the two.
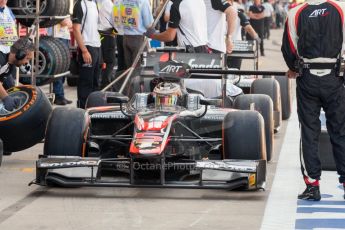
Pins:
x: 88, y: 75
x: 313, y: 93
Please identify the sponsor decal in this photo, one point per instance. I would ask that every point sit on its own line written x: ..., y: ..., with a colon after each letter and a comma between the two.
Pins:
x: 252, y: 179
x: 171, y: 69
x: 192, y: 63
x: 319, y: 12
x: 222, y: 165
x: 108, y: 115
x: 67, y: 164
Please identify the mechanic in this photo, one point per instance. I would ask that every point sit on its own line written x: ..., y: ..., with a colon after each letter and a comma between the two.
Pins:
x: 164, y: 19
x: 313, y: 37
x: 257, y: 18
x: 108, y: 41
x: 8, y: 27
x: 132, y: 22
x: 85, y: 29
x: 188, y: 22
x: 244, y: 23
x: 218, y: 14
x: 269, y: 11
x: 61, y: 31
x: 21, y: 52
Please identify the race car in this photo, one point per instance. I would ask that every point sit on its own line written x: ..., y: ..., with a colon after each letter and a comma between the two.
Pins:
x: 167, y: 137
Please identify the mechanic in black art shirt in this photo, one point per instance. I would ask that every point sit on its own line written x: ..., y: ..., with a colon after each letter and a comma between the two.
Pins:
x: 243, y: 23
x: 21, y: 52
x: 257, y: 20
x: 188, y: 22
x: 318, y: 83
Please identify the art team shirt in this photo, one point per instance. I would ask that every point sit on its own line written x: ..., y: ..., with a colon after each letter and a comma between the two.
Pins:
x: 132, y: 17
x: 8, y: 29
x: 216, y: 23
x: 190, y: 19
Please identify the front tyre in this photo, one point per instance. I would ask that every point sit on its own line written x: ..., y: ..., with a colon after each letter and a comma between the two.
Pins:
x: 24, y: 127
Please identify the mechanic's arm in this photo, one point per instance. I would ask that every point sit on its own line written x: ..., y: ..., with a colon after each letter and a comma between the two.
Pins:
x: 256, y: 16
x: 250, y: 30
x: 78, y: 37
x: 170, y: 34
x: 3, y: 92
x: 166, y: 36
x: 67, y: 22
x: 77, y: 20
x: 289, y: 51
x: 231, y: 16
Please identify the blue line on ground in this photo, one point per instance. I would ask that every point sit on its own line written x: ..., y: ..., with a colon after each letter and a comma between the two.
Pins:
x: 320, y: 203
x: 325, y: 210
x: 320, y: 223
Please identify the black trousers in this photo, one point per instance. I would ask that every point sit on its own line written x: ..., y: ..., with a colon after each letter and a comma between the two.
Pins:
x: 108, y: 46
x: 259, y: 27
x: 121, y: 65
x: 314, y: 93
x: 267, y: 27
x: 131, y: 46
x: 88, y: 75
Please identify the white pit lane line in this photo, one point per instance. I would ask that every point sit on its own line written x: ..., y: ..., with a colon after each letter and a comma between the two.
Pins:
x: 283, y: 209
x: 280, y: 211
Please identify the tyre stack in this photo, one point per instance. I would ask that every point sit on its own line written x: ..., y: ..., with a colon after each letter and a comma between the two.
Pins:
x: 54, y: 58
x: 47, y: 8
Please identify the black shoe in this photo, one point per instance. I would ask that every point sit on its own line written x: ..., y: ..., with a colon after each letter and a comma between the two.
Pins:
x: 60, y: 101
x: 68, y: 101
x: 311, y: 193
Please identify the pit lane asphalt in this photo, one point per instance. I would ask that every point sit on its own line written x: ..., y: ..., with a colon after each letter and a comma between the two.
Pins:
x: 24, y: 207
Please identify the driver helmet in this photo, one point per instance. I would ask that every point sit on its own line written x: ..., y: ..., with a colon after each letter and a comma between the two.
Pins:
x: 166, y: 94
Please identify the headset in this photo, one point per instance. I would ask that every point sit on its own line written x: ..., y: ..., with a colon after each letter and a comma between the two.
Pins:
x: 21, y: 52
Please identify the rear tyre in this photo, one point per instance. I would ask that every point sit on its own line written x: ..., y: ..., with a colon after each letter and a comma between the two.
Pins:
x: 263, y: 104
x: 271, y: 88
x: 285, y: 92
x: 243, y: 136
x: 66, y: 133
x: 25, y: 127
x: 96, y: 99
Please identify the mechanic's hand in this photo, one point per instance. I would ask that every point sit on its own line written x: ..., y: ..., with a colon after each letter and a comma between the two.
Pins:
x: 10, y: 103
x: 150, y: 32
x: 87, y: 57
x: 8, y: 82
x: 229, y: 46
x: 258, y: 39
x: 292, y: 74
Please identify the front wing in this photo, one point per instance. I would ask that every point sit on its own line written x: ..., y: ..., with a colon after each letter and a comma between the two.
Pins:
x: 211, y: 174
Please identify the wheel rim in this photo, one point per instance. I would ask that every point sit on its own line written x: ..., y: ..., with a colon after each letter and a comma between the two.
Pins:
x: 21, y: 96
x: 42, y: 63
x: 29, y: 6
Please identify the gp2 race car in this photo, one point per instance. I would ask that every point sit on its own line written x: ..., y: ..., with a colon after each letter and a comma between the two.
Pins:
x: 166, y: 137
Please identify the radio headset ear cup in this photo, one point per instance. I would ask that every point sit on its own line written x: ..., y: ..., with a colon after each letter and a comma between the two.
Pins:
x: 20, y: 55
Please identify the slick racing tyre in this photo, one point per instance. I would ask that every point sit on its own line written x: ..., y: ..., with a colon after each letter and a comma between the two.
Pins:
x: 286, y: 98
x: 243, y: 136
x: 96, y: 99
x: 271, y: 88
x: 1, y: 151
x: 67, y: 132
x: 25, y: 126
x: 263, y: 104
x: 47, y: 8
x: 53, y: 59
